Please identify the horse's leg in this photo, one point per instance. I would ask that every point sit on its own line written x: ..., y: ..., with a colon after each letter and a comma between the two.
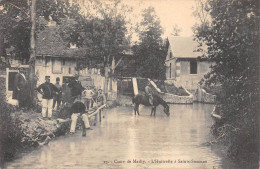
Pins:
x: 154, y: 111
x: 135, y: 109
x: 138, y: 109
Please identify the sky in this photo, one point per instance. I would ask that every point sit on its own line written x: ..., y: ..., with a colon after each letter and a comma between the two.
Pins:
x: 170, y: 12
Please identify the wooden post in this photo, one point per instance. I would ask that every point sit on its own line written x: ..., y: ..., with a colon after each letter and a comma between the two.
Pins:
x: 100, y: 116
x: 135, y: 87
x: 32, y: 52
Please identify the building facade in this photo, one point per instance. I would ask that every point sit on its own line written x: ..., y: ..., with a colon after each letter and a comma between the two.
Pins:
x: 183, y: 66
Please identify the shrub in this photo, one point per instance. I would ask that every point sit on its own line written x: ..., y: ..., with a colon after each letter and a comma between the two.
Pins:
x: 11, y: 133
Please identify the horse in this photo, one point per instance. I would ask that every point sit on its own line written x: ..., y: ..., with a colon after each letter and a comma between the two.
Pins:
x: 144, y: 100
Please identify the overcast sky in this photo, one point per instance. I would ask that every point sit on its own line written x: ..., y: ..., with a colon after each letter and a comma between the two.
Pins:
x: 170, y: 12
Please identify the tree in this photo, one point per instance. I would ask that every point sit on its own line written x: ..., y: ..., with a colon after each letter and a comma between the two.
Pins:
x: 232, y: 38
x: 150, y: 52
x: 102, y: 33
x: 19, y: 24
x: 16, y: 22
x: 176, y: 30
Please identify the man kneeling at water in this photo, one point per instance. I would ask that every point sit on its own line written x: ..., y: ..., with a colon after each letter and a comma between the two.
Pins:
x: 78, y: 109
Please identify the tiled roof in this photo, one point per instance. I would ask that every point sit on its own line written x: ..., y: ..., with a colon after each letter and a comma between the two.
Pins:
x: 184, y: 47
x: 50, y: 43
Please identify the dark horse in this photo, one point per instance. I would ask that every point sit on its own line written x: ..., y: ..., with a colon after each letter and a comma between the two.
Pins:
x: 141, y: 99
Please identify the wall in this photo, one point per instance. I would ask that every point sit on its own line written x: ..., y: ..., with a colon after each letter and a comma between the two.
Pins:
x: 172, y: 63
x: 42, y: 70
x: 190, y: 81
x: 92, y: 77
x: 202, y: 96
x: 171, y: 98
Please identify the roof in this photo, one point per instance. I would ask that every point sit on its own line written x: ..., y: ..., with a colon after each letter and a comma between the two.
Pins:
x: 50, y: 43
x: 184, y: 47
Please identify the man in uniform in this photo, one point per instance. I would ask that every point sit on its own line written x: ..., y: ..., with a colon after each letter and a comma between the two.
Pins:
x: 47, y: 90
x: 76, y: 87
x: 57, y: 95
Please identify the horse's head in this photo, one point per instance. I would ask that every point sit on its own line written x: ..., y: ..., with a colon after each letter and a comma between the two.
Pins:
x: 167, y: 110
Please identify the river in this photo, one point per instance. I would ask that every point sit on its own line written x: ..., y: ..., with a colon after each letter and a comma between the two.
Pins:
x: 124, y: 140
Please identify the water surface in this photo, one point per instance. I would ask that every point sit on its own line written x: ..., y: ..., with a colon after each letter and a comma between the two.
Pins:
x: 124, y: 140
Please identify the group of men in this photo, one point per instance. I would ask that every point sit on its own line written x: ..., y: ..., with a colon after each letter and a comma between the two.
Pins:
x: 73, y: 95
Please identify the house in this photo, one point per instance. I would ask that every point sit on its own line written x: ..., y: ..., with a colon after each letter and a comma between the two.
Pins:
x: 54, y: 56
x: 183, y: 66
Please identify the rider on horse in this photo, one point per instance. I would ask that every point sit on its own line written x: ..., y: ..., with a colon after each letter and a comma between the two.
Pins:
x: 149, y: 93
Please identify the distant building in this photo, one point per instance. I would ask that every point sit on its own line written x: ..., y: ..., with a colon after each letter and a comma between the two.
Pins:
x: 183, y: 67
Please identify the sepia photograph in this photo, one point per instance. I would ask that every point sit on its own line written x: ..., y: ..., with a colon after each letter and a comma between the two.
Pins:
x: 129, y: 84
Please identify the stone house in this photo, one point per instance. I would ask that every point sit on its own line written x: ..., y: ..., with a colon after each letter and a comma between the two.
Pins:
x: 183, y: 64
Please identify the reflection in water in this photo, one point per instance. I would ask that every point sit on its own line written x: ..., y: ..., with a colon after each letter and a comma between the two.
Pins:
x: 124, y: 140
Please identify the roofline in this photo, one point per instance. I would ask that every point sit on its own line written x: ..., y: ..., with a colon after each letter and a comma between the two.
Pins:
x: 58, y: 56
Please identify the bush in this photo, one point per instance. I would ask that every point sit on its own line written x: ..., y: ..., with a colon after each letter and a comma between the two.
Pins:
x: 176, y: 90
x: 232, y: 43
x: 11, y: 132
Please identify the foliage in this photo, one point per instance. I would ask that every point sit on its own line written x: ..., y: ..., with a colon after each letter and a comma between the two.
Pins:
x: 16, y: 25
x: 102, y: 33
x: 150, y: 52
x: 232, y: 40
x: 10, y: 134
x: 175, y: 90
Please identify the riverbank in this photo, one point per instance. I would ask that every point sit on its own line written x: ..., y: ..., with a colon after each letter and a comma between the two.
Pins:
x: 26, y: 130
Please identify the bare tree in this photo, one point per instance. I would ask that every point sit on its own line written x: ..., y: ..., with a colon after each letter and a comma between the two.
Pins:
x: 201, y: 11
x: 176, y: 30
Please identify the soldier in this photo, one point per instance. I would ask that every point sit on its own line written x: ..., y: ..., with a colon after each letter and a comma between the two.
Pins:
x: 47, y: 90
x: 57, y: 95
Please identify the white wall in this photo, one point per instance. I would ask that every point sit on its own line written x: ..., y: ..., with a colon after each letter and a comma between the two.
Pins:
x: 42, y: 70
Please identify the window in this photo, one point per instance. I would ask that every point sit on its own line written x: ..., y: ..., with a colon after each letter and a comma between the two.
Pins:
x: 47, y: 59
x: 63, y: 62
x: 56, y: 66
x: 170, y: 54
x: 193, y: 67
x: 69, y: 70
x: 170, y: 70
